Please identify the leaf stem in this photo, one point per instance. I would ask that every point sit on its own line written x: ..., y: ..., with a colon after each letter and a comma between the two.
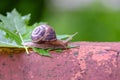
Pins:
x: 26, y: 48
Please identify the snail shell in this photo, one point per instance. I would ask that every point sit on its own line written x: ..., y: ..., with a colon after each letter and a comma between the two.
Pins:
x: 43, y: 33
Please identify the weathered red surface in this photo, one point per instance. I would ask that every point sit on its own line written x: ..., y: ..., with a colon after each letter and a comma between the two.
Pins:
x: 90, y: 61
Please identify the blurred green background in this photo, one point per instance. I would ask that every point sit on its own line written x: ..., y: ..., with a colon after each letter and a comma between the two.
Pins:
x: 94, y: 21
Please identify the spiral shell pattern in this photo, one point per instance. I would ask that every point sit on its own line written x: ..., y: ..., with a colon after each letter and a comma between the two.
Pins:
x: 43, y: 33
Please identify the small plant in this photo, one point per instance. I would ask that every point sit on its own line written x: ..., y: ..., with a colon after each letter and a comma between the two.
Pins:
x: 15, y: 32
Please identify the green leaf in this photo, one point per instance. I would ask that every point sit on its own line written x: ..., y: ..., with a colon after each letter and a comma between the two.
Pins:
x: 12, y: 20
x: 42, y: 51
x: 11, y: 35
x: 66, y: 36
x: 14, y: 27
x: 4, y: 44
x: 60, y: 37
x: 26, y: 18
x: 58, y: 50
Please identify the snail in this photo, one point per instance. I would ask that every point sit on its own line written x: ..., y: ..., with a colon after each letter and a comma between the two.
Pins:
x: 46, y: 34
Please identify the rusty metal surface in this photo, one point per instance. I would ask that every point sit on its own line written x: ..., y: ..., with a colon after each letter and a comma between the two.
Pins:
x: 90, y: 61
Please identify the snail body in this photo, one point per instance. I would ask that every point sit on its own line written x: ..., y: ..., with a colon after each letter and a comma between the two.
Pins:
x: 46, y: 34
